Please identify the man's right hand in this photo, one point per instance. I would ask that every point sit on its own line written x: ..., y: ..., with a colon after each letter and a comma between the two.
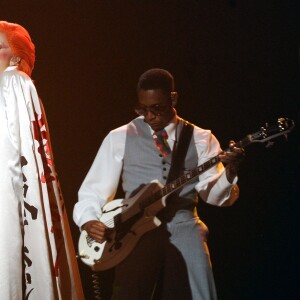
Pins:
x: 96, y: 230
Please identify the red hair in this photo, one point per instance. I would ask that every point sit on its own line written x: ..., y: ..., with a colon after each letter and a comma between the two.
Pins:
x: 20, y: 42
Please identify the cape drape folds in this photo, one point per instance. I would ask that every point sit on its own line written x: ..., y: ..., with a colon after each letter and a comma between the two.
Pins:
x: 37, y: 255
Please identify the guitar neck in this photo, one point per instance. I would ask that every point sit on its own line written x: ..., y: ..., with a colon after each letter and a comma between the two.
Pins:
x: 190, y: 175
x: 282, y: 127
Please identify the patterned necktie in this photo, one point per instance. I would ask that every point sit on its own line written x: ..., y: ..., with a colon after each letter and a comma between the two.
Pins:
x: 160, y: 139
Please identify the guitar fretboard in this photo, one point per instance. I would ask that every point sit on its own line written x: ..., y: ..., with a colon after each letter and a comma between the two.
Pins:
x: 188, y: 176
x: 283, y: 126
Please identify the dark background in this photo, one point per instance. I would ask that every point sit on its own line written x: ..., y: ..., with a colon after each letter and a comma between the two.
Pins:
x: 236, y: 65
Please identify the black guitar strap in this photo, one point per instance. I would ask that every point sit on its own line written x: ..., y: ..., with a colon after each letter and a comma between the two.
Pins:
x: 178, y: 157
x: 179, y: 153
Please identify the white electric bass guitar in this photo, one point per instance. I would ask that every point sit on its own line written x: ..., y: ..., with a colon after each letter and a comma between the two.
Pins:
x: 129, y: 219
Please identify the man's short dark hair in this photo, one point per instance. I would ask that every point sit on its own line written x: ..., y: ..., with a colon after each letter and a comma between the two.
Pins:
x: 156, y: 79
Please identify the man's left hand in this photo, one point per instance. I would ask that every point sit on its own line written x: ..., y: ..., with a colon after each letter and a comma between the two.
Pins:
x: 232, y: 160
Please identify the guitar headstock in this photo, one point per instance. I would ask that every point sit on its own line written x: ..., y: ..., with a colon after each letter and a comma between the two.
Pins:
x: 272, y: 130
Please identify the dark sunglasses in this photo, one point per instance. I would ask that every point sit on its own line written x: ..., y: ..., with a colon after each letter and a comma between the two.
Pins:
x: 155, y: 109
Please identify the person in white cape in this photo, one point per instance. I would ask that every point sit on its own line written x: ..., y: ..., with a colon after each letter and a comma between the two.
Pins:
x: 37, y: 257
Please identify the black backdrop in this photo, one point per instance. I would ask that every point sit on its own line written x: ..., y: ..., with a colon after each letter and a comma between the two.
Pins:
x: 236, y: 65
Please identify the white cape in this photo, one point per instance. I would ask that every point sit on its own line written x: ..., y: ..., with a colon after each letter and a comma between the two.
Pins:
x: 37, y: 257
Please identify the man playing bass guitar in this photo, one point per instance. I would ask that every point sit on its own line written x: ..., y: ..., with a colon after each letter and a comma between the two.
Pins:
x: 172, y: 260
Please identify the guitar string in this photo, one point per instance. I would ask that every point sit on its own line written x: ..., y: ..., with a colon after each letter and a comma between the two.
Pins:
x: 169, y: 187
x: 198, y: 170
x: 193, y: 173
x: 243, y: 143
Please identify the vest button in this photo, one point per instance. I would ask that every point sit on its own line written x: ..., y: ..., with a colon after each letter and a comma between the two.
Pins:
x: 163, y: 162
x: 160, y: 155
x: 165, y: 177
x: 165, y: 169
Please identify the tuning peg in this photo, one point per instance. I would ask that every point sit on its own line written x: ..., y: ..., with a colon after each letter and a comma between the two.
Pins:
x: 263, y: 132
